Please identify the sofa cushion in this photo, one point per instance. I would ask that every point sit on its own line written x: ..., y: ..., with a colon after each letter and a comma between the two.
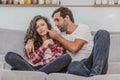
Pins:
x: 106, y: 77
x: 63, y: 76
x: 23, y: 75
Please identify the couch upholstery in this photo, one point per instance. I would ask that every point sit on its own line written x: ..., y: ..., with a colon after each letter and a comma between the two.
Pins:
x: 23, y: 75
x: 12, y: 40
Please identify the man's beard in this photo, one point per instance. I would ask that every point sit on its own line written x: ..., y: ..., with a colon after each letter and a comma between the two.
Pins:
x: 63, y: 29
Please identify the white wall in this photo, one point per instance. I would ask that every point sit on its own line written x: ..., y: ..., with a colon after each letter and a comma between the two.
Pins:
x: 99, y: 18
x: 77, y: 2
x: 20, y: 17
x: 96, y: 17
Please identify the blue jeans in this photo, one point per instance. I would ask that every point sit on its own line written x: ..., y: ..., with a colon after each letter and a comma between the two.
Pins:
x: 19, y: 63
x: 97, y: 63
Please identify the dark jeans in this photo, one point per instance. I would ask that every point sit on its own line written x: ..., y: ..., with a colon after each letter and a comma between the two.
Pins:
x: 97, y: 63
x: 18, y: 63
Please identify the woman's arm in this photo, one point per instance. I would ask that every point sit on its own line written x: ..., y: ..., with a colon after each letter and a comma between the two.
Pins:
x: 37, y: 55
x: 57, y: 50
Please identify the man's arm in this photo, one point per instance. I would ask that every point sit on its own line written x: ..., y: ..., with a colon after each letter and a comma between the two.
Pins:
x: 72, y: 46
x: 29, y: 47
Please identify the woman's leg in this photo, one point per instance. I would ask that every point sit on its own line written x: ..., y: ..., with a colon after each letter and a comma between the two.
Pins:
x: 17, y: 62
x: 57, y: 65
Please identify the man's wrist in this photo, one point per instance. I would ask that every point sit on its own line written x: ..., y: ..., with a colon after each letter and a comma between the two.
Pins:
x: 30, y: 40
x: 57, y: 37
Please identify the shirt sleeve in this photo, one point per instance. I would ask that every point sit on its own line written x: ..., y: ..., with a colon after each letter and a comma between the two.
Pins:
x: 57, y: 50
x: 36, y: 56
x: 83, y: 32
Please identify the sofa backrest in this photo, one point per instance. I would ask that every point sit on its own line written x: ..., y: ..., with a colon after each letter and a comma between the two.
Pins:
x: 13, y: 40
x: 114, y: 46
x: 114, y: 55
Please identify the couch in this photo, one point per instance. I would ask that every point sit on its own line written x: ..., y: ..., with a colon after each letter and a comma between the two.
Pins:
x: 12, y: 40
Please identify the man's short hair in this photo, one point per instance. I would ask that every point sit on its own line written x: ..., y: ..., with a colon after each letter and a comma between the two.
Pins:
x: 63, y: 12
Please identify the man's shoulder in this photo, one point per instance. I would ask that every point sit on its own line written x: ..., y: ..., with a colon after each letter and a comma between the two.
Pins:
x: 83, y: 26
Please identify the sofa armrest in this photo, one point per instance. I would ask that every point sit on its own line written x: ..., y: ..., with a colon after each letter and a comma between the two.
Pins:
x: 113, y: 68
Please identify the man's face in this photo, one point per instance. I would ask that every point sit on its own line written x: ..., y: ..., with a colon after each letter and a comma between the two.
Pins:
x: 60, y: 22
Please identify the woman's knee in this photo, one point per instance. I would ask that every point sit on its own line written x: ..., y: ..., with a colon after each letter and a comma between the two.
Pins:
x: 63, y: 60
x: 9, y: 56
x: 73, y: 67
x: 66, y: 57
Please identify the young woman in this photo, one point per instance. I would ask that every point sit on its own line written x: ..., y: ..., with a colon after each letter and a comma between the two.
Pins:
x: 48, y: 55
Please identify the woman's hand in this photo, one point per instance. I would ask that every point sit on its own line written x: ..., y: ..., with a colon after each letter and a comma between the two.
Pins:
x: 35, y: 65
x: 29, y: 47
x: 48, y: 43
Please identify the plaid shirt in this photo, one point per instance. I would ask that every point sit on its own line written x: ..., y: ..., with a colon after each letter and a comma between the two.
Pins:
x: 38, y: 55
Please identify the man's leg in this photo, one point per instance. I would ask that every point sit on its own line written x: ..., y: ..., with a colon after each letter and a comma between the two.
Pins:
x: 79, y: 68
x: 97, y: 63
x: 17, y: 62
x: 100, y: 53
x: 57, y: 65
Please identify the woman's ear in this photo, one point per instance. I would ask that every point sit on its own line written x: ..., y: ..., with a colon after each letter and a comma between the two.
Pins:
x: 49, y: 28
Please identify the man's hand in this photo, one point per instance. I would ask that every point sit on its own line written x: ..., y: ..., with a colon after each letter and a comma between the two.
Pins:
x: 29, y: 47
x: 53, y: 34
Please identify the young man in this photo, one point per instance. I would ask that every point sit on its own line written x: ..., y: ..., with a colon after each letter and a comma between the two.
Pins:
x: 78, y: 42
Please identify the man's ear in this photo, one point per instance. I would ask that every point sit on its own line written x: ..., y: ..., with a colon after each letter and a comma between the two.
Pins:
x: 67, y: 17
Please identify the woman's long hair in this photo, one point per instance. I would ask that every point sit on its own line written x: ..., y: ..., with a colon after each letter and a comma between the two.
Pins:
x: 32, y: 33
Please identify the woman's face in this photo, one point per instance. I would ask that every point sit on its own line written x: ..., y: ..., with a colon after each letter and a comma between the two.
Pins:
x: 41, y: 27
